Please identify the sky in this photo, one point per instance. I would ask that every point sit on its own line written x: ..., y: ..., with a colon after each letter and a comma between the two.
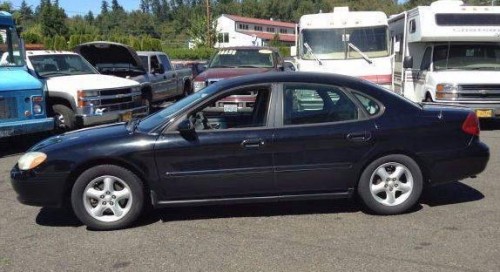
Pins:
x: 80, y: 7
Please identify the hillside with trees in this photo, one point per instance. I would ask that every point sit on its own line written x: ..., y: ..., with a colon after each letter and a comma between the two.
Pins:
x: 169, y: 24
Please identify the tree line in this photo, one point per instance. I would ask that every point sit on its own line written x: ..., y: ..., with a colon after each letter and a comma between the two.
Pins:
x: 170, y: 24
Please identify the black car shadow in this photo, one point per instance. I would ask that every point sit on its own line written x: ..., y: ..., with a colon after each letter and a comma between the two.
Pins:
x: 450, y: 193
x: 440, y: 195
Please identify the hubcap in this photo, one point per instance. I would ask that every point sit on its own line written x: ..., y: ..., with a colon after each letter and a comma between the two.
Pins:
x: 61, y: 123
x: 107, y: 198
x: 391, y: 184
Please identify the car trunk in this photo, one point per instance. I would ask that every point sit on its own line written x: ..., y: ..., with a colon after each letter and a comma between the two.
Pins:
x: 112, y: 58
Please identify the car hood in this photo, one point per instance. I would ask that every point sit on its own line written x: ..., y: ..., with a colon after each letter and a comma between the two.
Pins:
x: 89, y: 82
x: 220, y: 73
x: 467, y: 77
x: 109, y: 52
x: 88, y: 138
x: 17, y: 79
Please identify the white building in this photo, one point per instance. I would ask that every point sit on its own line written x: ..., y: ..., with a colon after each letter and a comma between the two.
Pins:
x: 235, y: 30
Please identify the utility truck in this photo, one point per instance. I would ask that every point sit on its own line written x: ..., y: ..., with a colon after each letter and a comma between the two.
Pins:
x: 22, y: 97
x: 354, y: 43
x: 449, y: 53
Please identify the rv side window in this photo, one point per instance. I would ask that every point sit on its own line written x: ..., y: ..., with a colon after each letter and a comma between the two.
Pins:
x: 412, y: 26
x: 426, y: 60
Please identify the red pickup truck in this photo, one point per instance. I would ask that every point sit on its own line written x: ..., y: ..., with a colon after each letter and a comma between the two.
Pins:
x: 237, y: 61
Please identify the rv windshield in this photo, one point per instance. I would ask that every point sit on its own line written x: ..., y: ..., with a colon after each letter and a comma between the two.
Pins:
x: 10, y: 47
x: 467, y: 56
x: 333, y: 44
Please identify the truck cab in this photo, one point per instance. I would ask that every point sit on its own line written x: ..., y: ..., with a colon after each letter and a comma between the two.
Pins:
x: 22, y: 96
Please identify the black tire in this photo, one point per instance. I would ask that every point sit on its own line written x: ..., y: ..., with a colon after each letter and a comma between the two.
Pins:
x: 120, y: 174
x: 64, y: 117
x: 146, y: 101
x: 369, y: 178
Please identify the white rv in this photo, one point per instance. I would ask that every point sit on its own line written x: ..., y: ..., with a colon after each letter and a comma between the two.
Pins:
x: 354, y: 43
x: 449, y: 53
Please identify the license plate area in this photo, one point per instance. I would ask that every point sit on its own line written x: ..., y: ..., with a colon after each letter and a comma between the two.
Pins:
x: 125, y: 117
x: 484, y: 113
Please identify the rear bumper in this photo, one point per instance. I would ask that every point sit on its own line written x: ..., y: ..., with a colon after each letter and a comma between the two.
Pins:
x: 456, y: 165
x: 8, y: 129
x: 38, y: 189
x: 109, y: 117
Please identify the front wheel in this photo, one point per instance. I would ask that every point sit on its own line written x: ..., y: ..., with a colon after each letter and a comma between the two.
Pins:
x: 391, y: 184
x: 64, y: 117
x: 107, y: 197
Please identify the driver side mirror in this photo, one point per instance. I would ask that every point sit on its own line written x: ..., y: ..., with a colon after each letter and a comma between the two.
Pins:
x: 408, y: 62
x: 186, y: 127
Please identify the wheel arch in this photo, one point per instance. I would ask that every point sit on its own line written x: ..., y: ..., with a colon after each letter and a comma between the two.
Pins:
x: 82, y: 167
x: 421, y: 164
x: 62, y: 100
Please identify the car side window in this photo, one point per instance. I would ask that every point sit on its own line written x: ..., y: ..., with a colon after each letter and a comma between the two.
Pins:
x: 242, y: 108
x: 311, y: 104
x: 370, y: 105
x: 166, y: 62
x: 155, y: 64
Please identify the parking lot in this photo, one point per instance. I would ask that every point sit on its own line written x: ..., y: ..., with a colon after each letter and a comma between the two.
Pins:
x: 456, y: 228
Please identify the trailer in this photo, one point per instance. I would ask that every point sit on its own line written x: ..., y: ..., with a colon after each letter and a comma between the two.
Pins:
x: 448, y: 53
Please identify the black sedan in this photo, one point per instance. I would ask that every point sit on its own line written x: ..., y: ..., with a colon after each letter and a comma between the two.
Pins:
x: 303, y: 136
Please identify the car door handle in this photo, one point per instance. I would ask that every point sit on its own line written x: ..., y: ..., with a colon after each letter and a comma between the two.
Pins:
x: 252, y: 143
x: 359, y: 136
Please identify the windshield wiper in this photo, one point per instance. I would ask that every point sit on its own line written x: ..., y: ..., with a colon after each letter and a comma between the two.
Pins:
x: 310, y: 51
x: 365, y: 57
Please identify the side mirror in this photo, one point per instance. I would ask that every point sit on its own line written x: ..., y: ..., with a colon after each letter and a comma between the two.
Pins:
x: 280, y: 67
x: 408, y: 62
x: 186, y: 126
x: 289, y: 66
x: 293, y: 51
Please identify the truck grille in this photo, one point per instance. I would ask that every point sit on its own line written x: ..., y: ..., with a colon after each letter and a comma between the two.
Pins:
x: 482, y: 92
x: 115, y: 100
x: 116, y: 91
x: 8, y: 108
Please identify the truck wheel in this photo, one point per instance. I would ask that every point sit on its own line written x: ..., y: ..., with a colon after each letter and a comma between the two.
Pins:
x: 64, y: 117
x: 391, y: 184
x: 107, y: 197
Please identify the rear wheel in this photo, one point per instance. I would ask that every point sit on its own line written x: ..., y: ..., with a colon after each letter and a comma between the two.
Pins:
x: 107, y: 197
x: 391, y: 184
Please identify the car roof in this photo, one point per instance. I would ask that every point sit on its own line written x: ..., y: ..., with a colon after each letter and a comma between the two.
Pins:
x: 149, y: 53
x: 249, y: 48
x: 48, y: 52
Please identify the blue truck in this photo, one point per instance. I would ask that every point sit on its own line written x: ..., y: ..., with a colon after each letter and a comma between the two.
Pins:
x: 22, y: 96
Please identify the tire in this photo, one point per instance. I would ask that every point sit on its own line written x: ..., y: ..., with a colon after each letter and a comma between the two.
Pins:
x: 146, y: 101
x: 64, y: 117
x: 115, y: 194
x: 391, y: 185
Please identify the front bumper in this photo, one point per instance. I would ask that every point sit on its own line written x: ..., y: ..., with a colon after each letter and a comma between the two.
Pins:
x: 36, y: 188
x: 8, y: 129
x: 83, y: 120
x: 456, y: 165
x: 493, y: 107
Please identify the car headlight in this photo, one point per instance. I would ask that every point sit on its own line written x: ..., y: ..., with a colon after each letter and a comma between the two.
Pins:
x: 90, y: 93
x: 136, y: 89
x: 446, y: 91
x: 198, y: 85
x: 31, y: 160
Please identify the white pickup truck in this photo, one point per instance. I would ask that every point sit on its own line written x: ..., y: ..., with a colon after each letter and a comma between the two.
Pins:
x: 79, y: 96
x: 159, y: 79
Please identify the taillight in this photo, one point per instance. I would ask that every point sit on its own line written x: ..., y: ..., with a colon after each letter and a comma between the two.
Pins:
x: 471, y: 124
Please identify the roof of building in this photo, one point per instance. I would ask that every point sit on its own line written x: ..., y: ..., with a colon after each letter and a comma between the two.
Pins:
x: 269, y: 36
x: 248, y: 20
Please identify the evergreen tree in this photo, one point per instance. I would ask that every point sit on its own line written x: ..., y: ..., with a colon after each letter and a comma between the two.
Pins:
x: 89, y: 17
x: 104, y: 7
x: 144, y: 6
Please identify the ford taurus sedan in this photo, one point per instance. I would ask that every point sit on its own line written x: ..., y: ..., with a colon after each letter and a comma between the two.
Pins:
x: 307, y: 136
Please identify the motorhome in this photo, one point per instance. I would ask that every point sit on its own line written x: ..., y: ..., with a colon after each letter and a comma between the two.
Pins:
x: 449, y: 52
x: 354, y: 43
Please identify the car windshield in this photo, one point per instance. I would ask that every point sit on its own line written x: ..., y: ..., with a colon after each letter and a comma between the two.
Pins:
x: 467, y: 56
x: 154, y: 120
x: 10, y: 48
x: 241, y: 58
x: 60, y: 65
x: 333, y: 44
